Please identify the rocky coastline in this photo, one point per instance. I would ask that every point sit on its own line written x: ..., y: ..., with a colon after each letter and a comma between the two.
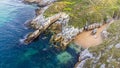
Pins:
x: 40, y: 3
x: 65, y: 33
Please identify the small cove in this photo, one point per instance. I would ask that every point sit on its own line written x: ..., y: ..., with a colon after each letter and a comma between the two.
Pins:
x: 86, y: 40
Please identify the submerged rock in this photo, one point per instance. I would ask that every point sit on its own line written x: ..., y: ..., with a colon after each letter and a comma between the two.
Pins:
x: 64, y: 57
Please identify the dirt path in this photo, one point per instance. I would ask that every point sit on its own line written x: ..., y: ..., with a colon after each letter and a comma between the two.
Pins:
x: 86, y: 40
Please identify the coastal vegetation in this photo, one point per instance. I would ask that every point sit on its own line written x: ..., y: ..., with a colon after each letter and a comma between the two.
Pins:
x: 82, y: 13
x: 108, y: 52
x: 85, y: 11
x: 114, y: 35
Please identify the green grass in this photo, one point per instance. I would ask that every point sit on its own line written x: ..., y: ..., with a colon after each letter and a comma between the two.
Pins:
x: 113, y: 39
x: 82, y: 11
x: 92, y: 11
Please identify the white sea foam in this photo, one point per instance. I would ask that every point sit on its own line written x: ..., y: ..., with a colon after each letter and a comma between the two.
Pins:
x: 22, y: 41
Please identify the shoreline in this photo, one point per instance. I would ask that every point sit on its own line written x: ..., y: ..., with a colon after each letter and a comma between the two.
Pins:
x: 82, y: 37
x: 66, y: 33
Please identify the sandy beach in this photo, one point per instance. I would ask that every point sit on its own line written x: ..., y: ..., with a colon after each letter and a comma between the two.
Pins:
x: 86, y: 40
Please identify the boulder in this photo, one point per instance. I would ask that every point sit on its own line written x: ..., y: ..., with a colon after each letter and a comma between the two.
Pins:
x: 94, y: 31
x: 104, y: 34
x: 117, y: 45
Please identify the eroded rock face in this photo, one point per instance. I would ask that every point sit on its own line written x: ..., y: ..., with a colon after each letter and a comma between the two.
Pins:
x: 67, y: 34
x: 36, y: 22
x: 32, y: 1
x: 58, y: 21
x: 41, y: 3
x: 84, y: 55
x: 42, y: 21
x: 42, y: 26
x: 70, y: 32
x: 32, y: 36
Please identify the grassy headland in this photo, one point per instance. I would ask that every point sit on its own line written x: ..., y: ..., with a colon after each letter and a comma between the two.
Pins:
x: 85, y: 11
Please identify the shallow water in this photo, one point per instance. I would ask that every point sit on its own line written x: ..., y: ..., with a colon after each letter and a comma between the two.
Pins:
x: 38, y: 54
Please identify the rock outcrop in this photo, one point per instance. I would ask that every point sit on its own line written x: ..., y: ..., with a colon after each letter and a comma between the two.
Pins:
x: 57, y: 23
x: 43, y: 26
x: 92, y: 26
x: 84, y: 55
x: 104, y: 34
x: 63, y: 38
x: 40, y: 3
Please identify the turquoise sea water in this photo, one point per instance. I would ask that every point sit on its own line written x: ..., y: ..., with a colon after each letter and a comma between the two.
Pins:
x: 38, y: 54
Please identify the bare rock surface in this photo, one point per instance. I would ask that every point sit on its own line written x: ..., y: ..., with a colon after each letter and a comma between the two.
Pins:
x: 117, y: 45
x: 84, y: 55
x: 40, y: 2
x: 41, y: 25
x: 104, y: 34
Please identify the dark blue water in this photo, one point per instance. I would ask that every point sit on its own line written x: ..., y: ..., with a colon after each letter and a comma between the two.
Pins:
x: 38, y: 54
